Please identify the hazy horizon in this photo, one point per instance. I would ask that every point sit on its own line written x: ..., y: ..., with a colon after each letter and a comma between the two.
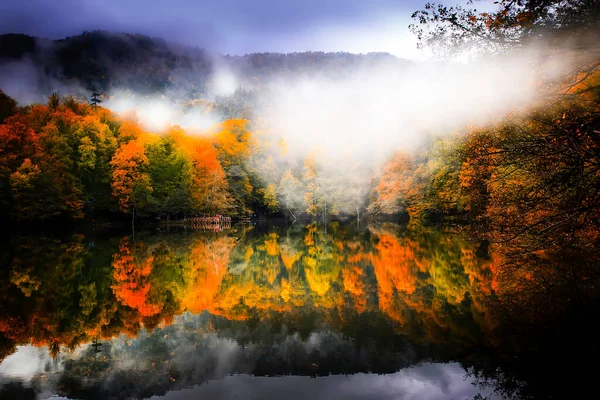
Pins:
x: 228, y: 27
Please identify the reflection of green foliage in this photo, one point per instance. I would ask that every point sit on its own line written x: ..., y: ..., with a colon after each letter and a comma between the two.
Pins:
x: 447, y: 274
x: 166, y: 278
x: 88, y: 298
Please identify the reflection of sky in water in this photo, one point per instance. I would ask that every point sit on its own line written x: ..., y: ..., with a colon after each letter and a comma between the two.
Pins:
x: 424, y: 382
x: 227, y: 367
x: 24, y: 363
x: 224, y: 365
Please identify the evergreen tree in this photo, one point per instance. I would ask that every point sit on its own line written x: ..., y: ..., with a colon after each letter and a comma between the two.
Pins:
x: 96, y: 98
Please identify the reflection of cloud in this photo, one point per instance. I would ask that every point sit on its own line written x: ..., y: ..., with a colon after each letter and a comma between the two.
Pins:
x: 191, y: 353
x: 424, y: 382
x: 24, y: 363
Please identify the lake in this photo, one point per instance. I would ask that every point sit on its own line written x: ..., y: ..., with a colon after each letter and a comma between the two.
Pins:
x: 273, y: 309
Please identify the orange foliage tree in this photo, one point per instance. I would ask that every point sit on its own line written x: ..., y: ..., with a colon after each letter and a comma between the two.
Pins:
x: 130, y: 181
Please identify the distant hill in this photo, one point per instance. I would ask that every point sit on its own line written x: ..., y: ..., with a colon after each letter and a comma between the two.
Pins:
x: 31, y: 66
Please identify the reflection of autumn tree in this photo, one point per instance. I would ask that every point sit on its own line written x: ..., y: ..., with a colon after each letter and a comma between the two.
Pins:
x: 418, y: 276
x: 131, y: 271
x: 541, y: 286
x: 429, y: 281
x: 260, y: 286
x: 480, y: 271
x: 396, y: 266
x: 208, y: 262
x: 447, y: 272
x: 49, y: 299
x: 427, y: 284
x: 353, y: 273
x: 293, y: 290
x: 321, y: 265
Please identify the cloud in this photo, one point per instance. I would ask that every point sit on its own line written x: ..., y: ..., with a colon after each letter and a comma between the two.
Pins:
x: 157, y: 113
x: 27, y: 83
x: 366, y: 115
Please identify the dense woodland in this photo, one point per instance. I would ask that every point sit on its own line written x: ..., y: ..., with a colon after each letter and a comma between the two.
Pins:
x: 109, y: 61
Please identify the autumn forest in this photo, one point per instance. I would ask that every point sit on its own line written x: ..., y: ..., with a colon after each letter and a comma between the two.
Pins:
x: 531, y: 176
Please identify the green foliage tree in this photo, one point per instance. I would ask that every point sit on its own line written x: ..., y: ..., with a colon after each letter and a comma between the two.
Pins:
x: 171, y: 177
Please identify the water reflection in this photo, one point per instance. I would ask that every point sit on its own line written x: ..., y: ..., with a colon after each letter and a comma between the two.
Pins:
x: 123, y: 316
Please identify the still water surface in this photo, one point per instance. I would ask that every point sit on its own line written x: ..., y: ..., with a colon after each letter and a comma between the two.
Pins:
x: 262, y: 311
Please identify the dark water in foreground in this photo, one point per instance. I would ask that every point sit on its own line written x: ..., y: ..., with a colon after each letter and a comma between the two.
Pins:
x: 278, y: 311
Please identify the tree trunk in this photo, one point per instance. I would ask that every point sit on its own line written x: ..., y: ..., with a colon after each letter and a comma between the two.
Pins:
x: 292, y: 214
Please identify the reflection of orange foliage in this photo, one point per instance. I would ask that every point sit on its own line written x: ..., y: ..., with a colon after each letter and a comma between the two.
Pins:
x: 308, y: 238
x: 353, y: 283
x: 395, y: 264
x: 271, y: 245
x: 208, y: 264
x: 271, y: 276
x: 285, y: 292
x: 395, y: 267
x: 497, y: 261
x: 289, y: 257
x: 131, y: 280
x: 319, y: 281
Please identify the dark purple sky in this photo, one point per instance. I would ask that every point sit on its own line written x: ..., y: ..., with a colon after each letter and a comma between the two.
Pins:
x: 228, y: 26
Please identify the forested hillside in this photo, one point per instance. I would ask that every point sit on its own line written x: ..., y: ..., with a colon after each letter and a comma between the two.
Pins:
x: 108, y: 62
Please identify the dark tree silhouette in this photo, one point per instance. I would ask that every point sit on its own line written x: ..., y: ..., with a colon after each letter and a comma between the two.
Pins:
x: 95, y: 99
x: 54, y: 101
x: 8, y: 106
